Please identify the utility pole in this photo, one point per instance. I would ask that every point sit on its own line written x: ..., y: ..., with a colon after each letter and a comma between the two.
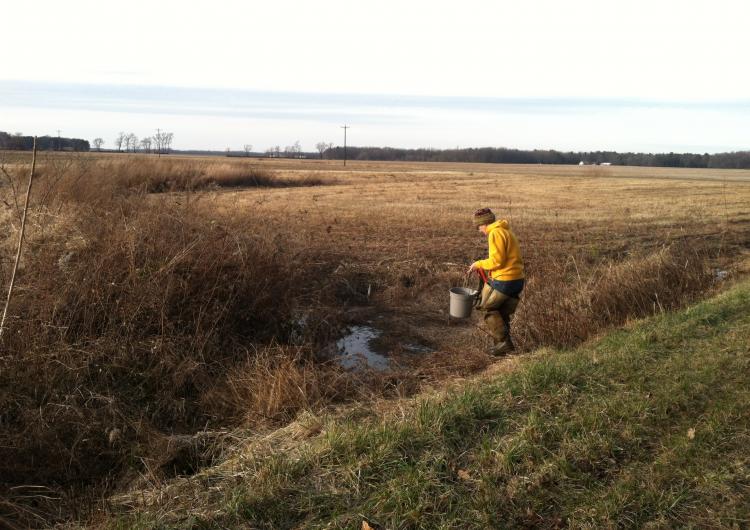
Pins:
x: 345, y: 127
x: 58, y: 139
x: 158, y: 142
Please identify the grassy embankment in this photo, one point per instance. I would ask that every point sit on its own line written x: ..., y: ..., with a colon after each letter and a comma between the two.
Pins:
x: 646, y: 426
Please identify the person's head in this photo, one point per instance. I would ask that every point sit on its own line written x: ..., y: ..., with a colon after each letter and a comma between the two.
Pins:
x: 482, y: 218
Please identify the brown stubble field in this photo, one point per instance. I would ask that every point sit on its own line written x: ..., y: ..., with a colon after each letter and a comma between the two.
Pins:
x: 400, y: 193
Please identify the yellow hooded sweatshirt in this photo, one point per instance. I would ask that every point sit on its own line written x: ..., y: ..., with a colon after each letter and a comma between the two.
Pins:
x: 504, y: 262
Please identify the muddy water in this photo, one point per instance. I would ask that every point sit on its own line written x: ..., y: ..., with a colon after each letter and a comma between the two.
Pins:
x: 355, y: 350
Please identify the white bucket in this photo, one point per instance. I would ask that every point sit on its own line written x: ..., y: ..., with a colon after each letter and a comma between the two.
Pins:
x: 462, y: 302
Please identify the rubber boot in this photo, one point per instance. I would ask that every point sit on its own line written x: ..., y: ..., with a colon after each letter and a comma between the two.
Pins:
x: 497, y: 327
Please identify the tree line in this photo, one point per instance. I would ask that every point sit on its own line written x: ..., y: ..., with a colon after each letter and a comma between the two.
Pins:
x: 500, y: 155
x: 19, y: 142
x: 161, y: 142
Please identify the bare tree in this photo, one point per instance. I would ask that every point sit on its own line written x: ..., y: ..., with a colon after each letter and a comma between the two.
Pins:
x: 131, y: 141
x: 322, y: 147
x: 146, y: 144
x: 163, y: 141
x: 168, y: 141
x: 98, y: 142
x: 293, y: 151
x: 120, y: 140
x: 248, y: 148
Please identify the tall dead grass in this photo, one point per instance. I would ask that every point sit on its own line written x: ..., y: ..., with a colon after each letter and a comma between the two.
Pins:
x: 565, y: 303
x: 125, y: 317
x: 128, y: 312
x: 84, y: 179
x: 276, y: 383
x: 153, y: 175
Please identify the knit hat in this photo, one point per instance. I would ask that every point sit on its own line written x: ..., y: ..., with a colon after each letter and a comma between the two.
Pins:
x: 483, y: 216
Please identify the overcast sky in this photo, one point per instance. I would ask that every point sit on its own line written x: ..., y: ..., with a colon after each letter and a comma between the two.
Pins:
x: 650, y: 76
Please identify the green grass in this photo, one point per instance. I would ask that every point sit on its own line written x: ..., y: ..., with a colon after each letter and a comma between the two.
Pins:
x: 647, y: 427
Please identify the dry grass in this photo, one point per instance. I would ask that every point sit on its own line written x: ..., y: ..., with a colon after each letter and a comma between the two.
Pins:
x: 151, y: 316
x: 130, y: 312
x: 168, y: 175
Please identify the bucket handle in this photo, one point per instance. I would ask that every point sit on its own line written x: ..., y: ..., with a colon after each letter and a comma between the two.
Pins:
x: 482, y: 281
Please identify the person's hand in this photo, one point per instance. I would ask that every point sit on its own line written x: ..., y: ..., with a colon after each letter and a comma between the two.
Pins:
x: 472, y: 268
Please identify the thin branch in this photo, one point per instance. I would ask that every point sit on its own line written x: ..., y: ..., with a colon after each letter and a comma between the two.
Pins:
x: 20, y: 243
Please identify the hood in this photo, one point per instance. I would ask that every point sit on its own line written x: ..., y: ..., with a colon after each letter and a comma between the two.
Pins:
x: 498, y: 224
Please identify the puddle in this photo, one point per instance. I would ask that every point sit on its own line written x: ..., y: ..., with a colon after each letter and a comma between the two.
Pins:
x: 355, y: 351
x: 297, y: 334
x: 365, y: 346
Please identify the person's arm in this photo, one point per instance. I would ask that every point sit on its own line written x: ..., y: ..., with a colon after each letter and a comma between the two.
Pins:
x: 496, y: 243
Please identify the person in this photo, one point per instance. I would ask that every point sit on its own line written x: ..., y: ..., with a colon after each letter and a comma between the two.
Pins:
x: 505, y: 278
